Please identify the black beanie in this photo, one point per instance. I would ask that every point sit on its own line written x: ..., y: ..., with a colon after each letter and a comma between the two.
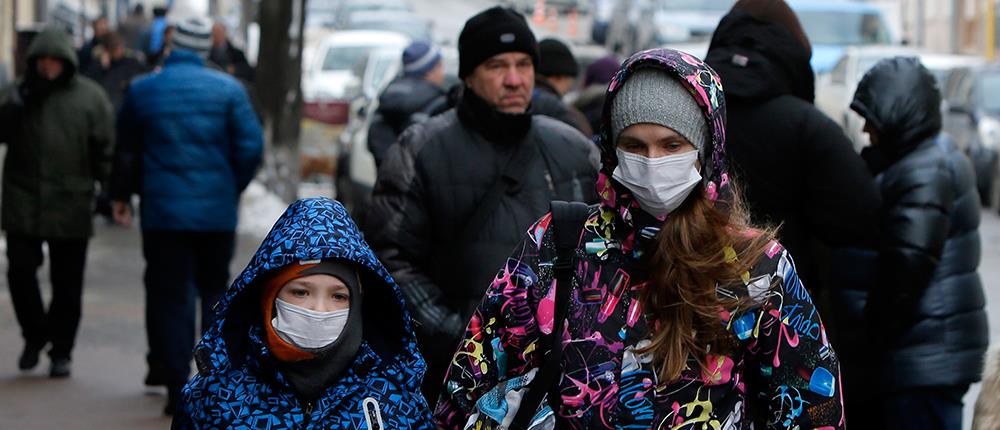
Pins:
x: 491, y: 32
x: 555, y: 59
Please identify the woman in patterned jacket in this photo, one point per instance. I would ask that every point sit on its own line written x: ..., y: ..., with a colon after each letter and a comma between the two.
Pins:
x: 681, y: 314
x: 312, y: 335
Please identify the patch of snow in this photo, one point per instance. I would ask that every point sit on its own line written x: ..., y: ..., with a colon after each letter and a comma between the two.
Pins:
x: 259, y: 209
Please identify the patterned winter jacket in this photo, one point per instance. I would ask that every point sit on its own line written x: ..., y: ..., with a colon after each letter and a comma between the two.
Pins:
x: 784, y: 374
x: 237, y: 385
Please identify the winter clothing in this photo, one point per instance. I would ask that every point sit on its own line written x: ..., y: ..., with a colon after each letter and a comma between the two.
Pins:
x: 556, y: 59
x: 494, y: 31
x: 193, y: 34
x: 405, y: 101
x: 605, y: 381
x: 234, y: 365
x: 590, y: 100
x: 796, y: 167
x: 116, y: 78
x: 776, y: 12
x: 189, y: 144
x: 545, y: 100
x: 926, y: 304
x: 925, y: 408
x: 419, y: 58
x: 67, y: 259
x: 228, y: 56
x: 601, y: 71
x: 60, y: 136
x: 431, y: 184
x: 673, y: 108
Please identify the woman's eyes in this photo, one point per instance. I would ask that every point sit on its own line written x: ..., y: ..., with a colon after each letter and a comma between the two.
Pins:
x: 300, y: 293
x: 341, y: 297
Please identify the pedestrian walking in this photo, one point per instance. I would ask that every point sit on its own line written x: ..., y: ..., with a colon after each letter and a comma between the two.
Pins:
x: 457, y: 191
x: 414, y: 97
x: 114, y: 68
x: 228, y: 57
x: 555, y: 77
x: 590, y: 100
x: 662, y: 306
x: 313, y: 334
x: 189, y: 143
x: 924, y: 312
x: 156, y: 39
x: 85, y: 56
x: 781, y: 145
x: 59, y: 130
x: 134, y: 26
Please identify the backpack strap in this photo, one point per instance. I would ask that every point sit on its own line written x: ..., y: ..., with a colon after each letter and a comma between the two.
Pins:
x: 568, y: 219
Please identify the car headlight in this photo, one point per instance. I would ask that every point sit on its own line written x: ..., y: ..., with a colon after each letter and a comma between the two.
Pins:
x: 989, y: 132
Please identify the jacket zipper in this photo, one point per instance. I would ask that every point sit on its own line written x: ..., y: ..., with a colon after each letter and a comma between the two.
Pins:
x: 307, y: 411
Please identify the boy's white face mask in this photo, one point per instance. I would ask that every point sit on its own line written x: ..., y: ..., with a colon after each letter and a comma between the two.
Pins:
x: 306, y: 328
x: 660, y: 184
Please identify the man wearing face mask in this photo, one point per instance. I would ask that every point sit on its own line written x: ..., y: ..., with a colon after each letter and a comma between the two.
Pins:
x: 456, y: 193
x: 313, y: 334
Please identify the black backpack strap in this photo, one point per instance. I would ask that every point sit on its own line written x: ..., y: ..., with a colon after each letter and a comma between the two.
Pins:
x: 568, y: 219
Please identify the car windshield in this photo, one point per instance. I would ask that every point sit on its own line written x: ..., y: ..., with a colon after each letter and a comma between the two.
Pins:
x: 989, y: 92
x: 844, y: 28
x: 415, y: 30
x: 345, y: 57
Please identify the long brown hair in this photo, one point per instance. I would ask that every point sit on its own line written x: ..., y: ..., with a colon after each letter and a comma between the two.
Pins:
x: 700, y: 246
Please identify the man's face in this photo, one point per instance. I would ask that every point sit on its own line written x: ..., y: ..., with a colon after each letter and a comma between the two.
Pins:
x: 49, y: 68
x: 562, y: 84
x: 100, y: 27
x: 436, y: 75
x: 505, y: 81
x: 218, y: 34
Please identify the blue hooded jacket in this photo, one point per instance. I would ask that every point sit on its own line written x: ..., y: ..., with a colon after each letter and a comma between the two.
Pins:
x: 238, y: 386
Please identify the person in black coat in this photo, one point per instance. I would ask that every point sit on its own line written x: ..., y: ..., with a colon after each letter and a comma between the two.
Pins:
x: 925, y: 308
x: 781, y: 145
x: 555, y: 76
x: 414, y: 97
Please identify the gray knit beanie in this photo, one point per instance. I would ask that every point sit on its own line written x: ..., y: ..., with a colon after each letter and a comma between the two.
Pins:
x: 653, y: 96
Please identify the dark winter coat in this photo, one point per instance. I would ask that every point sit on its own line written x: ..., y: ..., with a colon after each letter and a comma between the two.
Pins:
x: 546, y: 101
x: 406, y: 101
x: 429, y: 187
x: 926, y: 304
x: 590, y: 102
x: 189, y: 144
x: 60, y: 142
x: 795, y: 165
x: 229, y: 56
x: 238, y: 384
x: 782, y: 375
x: 116, y: 78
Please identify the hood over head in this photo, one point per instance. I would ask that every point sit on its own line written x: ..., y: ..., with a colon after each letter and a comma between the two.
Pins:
x: 311, y: 229
x: 705, y: 87
x: 53, y: 42
x: 899, y: 97
x: 761, y: 52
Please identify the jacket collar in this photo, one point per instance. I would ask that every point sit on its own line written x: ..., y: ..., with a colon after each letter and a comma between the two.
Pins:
x: 183, y: 57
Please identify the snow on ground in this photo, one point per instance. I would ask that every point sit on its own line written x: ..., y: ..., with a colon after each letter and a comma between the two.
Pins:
x: 259, y: 209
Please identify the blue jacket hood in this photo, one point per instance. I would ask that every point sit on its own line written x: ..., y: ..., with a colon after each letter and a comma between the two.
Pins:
x: 313, y: 229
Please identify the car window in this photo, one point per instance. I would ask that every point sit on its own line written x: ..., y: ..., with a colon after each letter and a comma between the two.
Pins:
x: 344, y: 57
x: 844, y: 28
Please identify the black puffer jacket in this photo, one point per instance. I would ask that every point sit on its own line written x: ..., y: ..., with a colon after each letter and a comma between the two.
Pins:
x: 404, y: 102
x: 926, y: 306
x: 795, y: 166
x: 431, y: 184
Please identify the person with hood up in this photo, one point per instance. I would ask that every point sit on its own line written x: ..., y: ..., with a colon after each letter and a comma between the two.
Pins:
x: 678, y: 313
x: 59, y: 129
x: 414, y: 97
x: 456, y: 192
x: 924, y: 310
x: 313, y: 334
x: 796, y: 166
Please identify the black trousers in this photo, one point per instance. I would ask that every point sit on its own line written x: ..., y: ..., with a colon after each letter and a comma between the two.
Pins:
x: 179, y: 266
x: 67, y: 258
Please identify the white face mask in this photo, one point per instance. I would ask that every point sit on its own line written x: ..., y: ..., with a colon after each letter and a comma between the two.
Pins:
x: 307, y: 328
x: 660, y: 184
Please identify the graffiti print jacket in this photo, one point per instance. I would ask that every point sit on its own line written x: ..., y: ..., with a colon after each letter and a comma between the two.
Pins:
x: 784, y: 375
x: 238, y: 385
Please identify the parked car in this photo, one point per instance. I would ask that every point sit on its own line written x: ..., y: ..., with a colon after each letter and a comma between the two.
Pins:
x: 333, y: 77
x: 642, y: 24
x: 972, y: 118
x: 834, y: 25
x: 408, y: 23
